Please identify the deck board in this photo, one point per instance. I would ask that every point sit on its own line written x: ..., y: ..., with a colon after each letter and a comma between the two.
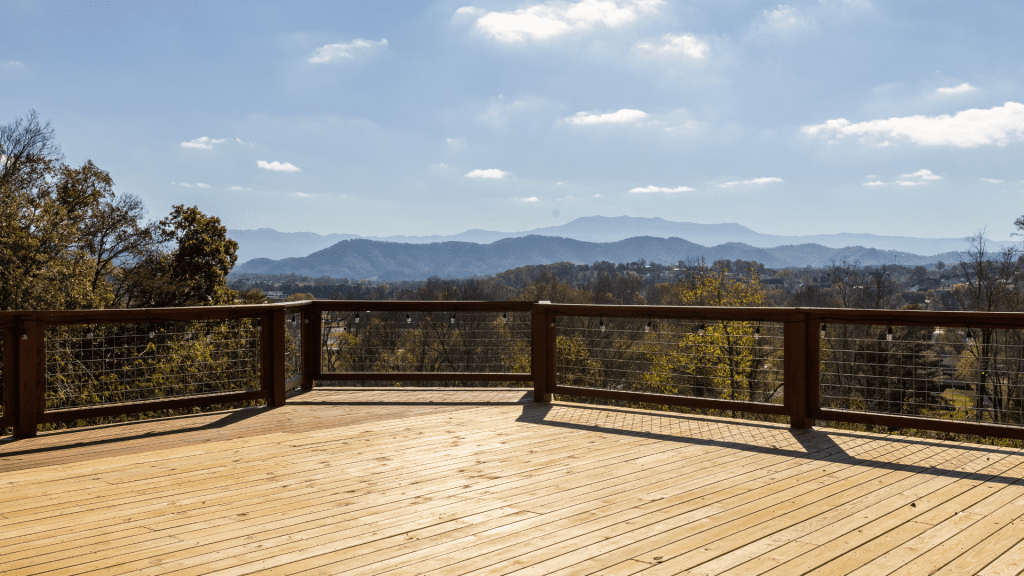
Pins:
x: 414, y: 481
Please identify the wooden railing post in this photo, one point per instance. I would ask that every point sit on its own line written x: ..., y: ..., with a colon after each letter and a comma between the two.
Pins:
x: 311, y: 345
x: 31, y: 368
x: 539, y: 361
x: 812, y: 372
x: 272, y: 349
x: 10, y: 336
x: 795, y: 372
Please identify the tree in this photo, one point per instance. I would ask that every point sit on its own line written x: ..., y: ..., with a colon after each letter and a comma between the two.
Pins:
x: 194, y: 272
x: 46, y: 212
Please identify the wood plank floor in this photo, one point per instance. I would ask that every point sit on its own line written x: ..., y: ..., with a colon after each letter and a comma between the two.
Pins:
x: 486, y: 482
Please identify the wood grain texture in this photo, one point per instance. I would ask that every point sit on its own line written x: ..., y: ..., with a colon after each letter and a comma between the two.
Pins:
x: 365, y: 481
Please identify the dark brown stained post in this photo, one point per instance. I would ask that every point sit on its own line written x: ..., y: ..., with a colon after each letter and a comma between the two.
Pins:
x: 550, y: 380
x: 10, y: 375
x: 310, y: 345
x: 812, y: 372
x: 538, y: 356
x: 272, y: 345
x: 795, y: 372
x: 31, y: 381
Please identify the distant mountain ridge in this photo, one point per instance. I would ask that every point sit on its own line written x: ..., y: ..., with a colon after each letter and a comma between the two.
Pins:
x: 376, y: 260
x: 269, y: 243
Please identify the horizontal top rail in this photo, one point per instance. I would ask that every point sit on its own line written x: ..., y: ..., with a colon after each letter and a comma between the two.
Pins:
x: 960, y: 319
x: 117, y: 315
x: 423, y: 306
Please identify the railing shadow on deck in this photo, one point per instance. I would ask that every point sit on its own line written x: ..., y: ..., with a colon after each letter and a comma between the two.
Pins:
x: 818, y: 445
x: 223, y: 420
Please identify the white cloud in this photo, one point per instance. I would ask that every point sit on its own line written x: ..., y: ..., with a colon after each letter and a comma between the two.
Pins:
x: 530, y: 199
x: 277, y: 166
x: 967, y: 129
x: 656, y: 190
x: 623, y: 116
x: 686, y: 45
x: 347, y: 51
x: 203, y: 143
x: 923, y: 174
x: 875, y: 183
x: 754, y: 181
x: 598, y: 195
x: 991, y: 180
x: 492, y: 173
x: 201, y: 185
x: 909, y: 183
x: 239, y: 188
x: 11, y: 64
x: 304, y: 195
x: 784, y: 18
x: 960, y: 89
x: 187, y: 185
x: 553, y: 19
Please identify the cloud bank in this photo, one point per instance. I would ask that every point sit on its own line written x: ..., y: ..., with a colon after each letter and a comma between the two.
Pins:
x: 1000, y: 125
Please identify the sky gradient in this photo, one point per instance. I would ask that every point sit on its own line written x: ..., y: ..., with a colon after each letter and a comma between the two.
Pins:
x: 382, y: 118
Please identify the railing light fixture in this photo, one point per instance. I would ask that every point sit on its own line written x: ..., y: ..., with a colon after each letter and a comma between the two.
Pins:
x: 601, y: 321
x: 648, y: 327
x: 504, y: 317
x: 970, y: 337
x: 408, y: 318
x: 701, y: 328
x: 824, y: 329
x: 757, y: 332
x: 888, y: 334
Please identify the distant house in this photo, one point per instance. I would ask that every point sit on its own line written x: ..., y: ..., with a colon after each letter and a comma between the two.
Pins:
x: 275, y: 296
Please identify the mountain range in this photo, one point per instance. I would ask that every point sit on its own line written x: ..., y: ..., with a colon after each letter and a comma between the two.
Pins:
x: 361, y: 258
x: 269, y: 243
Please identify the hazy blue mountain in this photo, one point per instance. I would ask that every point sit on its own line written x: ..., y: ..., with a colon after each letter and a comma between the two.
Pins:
x: 268, y: 243
x: 374, y: 259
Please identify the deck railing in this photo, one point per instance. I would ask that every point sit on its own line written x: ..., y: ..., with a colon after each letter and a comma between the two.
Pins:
x: 955, y: 372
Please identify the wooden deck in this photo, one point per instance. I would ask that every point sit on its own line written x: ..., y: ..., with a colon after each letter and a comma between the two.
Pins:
x: 485, y: 482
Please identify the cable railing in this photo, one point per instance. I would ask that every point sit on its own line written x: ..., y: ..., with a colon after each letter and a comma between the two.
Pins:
x: 953, y: 372
x: 424, y: 343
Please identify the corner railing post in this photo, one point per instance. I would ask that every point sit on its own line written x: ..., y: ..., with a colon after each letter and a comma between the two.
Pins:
x: 795, y: 372
x: 31, y: 378
x: 272, y: 355
x: 538, y: 355
x: 311, y: 318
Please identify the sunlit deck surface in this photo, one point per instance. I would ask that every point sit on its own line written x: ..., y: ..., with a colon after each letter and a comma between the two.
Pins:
x: 460, y: 482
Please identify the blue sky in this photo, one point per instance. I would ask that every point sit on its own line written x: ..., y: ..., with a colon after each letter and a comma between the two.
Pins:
x: 380, y: 118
